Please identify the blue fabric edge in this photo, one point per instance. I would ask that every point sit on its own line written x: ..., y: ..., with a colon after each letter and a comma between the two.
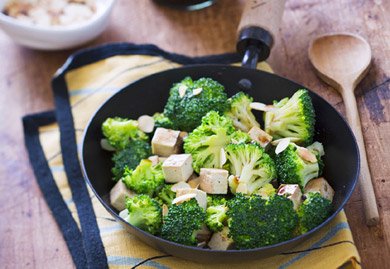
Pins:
x: 51, y: 193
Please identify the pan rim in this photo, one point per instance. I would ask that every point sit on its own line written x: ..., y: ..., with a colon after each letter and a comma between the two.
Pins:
x: 235, y: 251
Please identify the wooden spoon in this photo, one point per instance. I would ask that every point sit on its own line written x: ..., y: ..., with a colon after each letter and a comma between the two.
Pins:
x: 342, y: 60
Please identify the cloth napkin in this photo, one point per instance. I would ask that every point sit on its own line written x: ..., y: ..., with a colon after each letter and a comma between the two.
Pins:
x: 94, y: 238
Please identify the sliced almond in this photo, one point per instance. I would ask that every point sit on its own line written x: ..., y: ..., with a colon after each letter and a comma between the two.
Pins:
x: 164, y: 210
x: 277, y: 141
x: 202, y: 244
x: 180, y: 185
x: 306, y: 154
x: 182, y: 90
x: 146, y: 123
x: 183, y: 198
x: 261, y: 107
x: 194, y: 181
x: 223, y: 157
x: 197, y: 91
x: 282, y: 145
x: 124, y: 214
x: 105, y: 145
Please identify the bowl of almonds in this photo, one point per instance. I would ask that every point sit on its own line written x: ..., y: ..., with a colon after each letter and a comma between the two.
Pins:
x: 54, y: 24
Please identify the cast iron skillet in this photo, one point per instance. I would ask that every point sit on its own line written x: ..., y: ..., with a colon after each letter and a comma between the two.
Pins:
x: 149, y: 95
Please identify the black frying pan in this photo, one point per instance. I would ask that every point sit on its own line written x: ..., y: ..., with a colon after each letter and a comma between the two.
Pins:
x: 148, y: 95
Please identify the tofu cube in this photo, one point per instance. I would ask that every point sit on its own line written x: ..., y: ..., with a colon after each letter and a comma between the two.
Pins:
x: 221, y: 240
x: 214, y: 181
x: 260, y: 136
x: 200, y: 196
x: 162, y: 159
x: 155, y: 159
x: 292, y: 192
x: 118, y: 195
x: 320, y: 185
x: 177, y: 168
x: 166, y: 142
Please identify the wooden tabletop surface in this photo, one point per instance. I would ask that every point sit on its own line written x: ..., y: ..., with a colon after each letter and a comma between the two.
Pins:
x: 29, y: 237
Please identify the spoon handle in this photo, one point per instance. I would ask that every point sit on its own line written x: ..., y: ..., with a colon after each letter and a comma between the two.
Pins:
x: 366, y: 187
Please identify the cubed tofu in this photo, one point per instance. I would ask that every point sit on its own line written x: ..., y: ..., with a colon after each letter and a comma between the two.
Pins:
x: 260, y: 136
x: 118, y: 195
x: 320, y: 185
x: 292, y: 192
x: 177, y: 167
x: 221, y: 240
x: 180, y: 185
x: 162, y: 159
x: 214, y: 181
x: 166, y: 142
x: 200, y: 196
x: 155, y: 159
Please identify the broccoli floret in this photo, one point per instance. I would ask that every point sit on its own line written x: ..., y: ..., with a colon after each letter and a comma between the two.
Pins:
x: 165, y: 195
x: 120, y: 131
x: 216, y: 199
x: 200, y: 96
x: 182, y: 222
x: 266, y: 191
x: 130, y: 156
x: 292, y: 169
x: 256, y: 222
x: 314, y: 210
x: 240, y: 112
x: 160, y: 120
x: 216, y: 217
x: 145, y: 179
x: 292, y: 117
x: 207, y: 140
x: 144, y: 213
x: 251, y: 167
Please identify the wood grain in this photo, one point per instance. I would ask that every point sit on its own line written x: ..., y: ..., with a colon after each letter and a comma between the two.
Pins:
x: 29, y: 237
x: 343, y: 60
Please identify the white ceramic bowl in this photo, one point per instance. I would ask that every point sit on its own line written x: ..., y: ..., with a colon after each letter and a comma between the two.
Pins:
x: 56, y: 37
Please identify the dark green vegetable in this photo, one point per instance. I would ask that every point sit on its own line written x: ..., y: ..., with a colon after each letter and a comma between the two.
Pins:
x: 207, y: 140
x: 186, y: 111
x: 130, y: 156
x: 160, y: 120
x: 120, y: 131
x: 292, y: 169
x: 216, y: 217
x: 145, y: 179
x: 240, y: 112
x: 314, y: 210
x: 182, y: 223
x: 144, y: 213
x: 251, y: 165
x: 216, y: 199
x: 255, y: 222
x: 165, y: 195
x: 292, y: 117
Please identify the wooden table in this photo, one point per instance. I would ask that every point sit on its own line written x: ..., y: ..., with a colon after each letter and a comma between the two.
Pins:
x: 29, y: 237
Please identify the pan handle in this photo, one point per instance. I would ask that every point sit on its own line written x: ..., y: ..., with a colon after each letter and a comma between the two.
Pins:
x: 258, y: 29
